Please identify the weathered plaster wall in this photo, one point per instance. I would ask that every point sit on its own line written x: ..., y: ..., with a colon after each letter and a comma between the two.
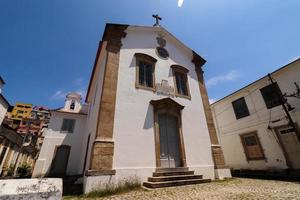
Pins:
x: 3, y: 109
x: 229, y: 128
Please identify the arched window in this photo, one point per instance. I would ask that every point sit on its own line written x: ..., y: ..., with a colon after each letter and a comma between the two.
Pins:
x: 145, y: 71
x: 181, y: 81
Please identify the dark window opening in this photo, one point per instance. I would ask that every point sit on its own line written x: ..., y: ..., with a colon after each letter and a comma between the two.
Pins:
x: 68, y: 125
x: 145, y: 74
x: 181, y: 83
x: 72, y: 106
x: 271, y: 95
x: 240, y: 108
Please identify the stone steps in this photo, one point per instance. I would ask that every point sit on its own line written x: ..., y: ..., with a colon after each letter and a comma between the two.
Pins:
x: 176, y: 169
x: 172, y: 173
x: 171, y: 177
x: 174, y: 178
x: 174, y: 183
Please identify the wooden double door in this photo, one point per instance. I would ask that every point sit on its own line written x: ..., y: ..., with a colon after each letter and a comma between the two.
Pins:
x: 169, y: 141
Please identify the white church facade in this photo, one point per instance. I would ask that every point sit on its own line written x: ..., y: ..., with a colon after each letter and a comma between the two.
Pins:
x: 147, y: 117
x: 149, y: 113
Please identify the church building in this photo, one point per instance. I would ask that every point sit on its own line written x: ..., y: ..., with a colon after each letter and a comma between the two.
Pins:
x: 149, y: 116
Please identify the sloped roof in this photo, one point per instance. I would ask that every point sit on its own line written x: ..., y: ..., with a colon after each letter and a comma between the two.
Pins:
x: 1, y: 80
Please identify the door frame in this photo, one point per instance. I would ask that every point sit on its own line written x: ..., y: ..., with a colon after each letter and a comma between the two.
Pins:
x: 286, y: 155
x: 53, y: 159
x: 170, y: 107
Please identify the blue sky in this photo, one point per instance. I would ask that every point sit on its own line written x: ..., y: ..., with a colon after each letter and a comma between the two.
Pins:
x: 47, y: 48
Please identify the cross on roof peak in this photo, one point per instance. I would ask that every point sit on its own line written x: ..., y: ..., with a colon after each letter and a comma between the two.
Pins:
x: 157, y: 18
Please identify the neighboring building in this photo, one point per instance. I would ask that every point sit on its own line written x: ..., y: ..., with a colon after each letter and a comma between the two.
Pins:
x: 64, y: 146
x: 21, y: 111
x: 4, y: 104
x: 253, y: 128
x: 148, y: 112
x: 40, y: 113
x: 15, y: 150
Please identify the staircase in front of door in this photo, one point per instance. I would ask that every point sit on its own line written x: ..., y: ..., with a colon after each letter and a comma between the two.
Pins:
x: 171, y: 177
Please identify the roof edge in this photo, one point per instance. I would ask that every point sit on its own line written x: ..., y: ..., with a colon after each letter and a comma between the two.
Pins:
x: 277, y: 70
x: 1, y: 79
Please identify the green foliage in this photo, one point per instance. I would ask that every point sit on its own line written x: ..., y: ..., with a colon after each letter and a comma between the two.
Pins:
x: 24, y: 170
x: 121, y: 187
x: 10, y: 171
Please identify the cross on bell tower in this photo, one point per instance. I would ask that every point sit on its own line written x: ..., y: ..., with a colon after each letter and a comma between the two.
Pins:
x: 157, y: 18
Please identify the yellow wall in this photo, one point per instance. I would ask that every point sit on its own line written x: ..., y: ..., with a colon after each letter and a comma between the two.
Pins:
x: 21, y: 110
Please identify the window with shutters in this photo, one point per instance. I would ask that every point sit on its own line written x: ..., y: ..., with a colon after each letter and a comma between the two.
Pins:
x: 271, y: 95
x: 68, y: 125
x: 181, y: 81
x: 145, y: 71
x: 240, y: 108
x: 252, y: 146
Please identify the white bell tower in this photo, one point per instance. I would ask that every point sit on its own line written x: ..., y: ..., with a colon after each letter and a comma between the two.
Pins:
x: 73, y: 102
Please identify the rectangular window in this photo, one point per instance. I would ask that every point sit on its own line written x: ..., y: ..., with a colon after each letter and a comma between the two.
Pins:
x: 252, y: 146
x: 68, y: 125
x: 181, y: 83
x: 271, y: 95
x: 240, y: 108
x: 145, y: 74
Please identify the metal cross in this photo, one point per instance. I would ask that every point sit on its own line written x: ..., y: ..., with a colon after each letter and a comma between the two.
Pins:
x: 157, y: 19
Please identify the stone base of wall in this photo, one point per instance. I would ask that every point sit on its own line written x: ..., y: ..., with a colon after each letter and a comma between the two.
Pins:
x: 92, y: 181
x: 289, y: 175
x: 97, y: 181
x: 206, y: 170
x: 102, y: 155
x: 218, y: 156
x: 222, y: 173
x: 34, y: 189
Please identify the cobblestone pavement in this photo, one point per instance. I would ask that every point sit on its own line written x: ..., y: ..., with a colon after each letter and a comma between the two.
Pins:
x: 230, y: 189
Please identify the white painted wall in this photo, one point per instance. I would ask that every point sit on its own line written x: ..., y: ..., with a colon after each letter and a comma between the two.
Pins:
x: 134, y: 149
x: 133, y: 129
x: 54, y: 137
x: 3, y: 109
x: 229, y: 128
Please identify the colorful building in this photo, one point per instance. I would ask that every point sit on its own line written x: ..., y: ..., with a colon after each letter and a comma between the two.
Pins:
x: 21, y: 110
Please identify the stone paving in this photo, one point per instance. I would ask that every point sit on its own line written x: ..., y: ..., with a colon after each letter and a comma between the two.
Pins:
x: 223, y: 190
